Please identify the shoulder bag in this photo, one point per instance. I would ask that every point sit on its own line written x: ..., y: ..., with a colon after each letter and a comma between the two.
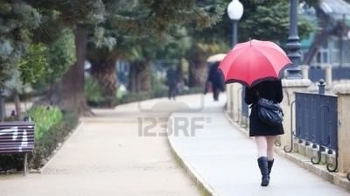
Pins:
x: 269, y: 112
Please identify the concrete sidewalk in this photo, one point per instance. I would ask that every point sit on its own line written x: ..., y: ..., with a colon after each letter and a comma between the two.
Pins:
x: 223, y: 160
x: 108, y: 155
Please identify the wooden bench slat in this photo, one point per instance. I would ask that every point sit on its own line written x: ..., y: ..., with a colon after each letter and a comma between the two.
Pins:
x: 17, y: 138
x: 15, y: 151
x: 14, y: 134
x: 15, y: 144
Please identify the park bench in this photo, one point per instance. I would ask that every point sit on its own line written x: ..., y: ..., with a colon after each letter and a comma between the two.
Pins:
x: 17, y: 138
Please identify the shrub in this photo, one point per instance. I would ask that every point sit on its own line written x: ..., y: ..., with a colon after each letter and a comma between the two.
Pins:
x: 51, y: 139
x: 51, y: 127
x: 92, y: 91
x: 44, y: 117
x: 161, y: 91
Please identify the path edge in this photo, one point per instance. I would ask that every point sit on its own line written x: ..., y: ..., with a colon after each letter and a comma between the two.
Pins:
x: 202, y: 185
x: 302, y: 162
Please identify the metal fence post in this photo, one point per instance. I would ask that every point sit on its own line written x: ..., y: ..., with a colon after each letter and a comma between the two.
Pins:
x: 321, y: 87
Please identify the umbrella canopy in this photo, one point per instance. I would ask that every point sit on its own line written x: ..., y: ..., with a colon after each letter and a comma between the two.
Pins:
x: 216, y: 58
x: 254, y: 61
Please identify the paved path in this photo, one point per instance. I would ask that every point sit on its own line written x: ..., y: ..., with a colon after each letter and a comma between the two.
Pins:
x: 125, y: 152
x: 224, y: 160
x: 107, y: 156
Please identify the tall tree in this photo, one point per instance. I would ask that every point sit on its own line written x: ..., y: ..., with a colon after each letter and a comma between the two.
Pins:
x: 78, y: 15
x: 136, y: 17
x: 44, y: 64
x: 17, y: 19
x: 137, y: 23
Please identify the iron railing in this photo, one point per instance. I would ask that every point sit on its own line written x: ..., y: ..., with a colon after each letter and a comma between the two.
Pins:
x: 316, y: 123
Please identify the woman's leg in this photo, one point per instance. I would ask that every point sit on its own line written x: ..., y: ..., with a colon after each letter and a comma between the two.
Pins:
x: 270, y: 146
x: 261, y: 144
x: 270, y: 153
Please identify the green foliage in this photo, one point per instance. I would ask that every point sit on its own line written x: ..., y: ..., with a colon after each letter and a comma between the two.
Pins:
x: 177, y: 45
x: 73, y: 12
x: 267, y: 20
x: 276, y: 18
x: 14, y: 82
x: 142, y: 28
x: 61, y: 55
x: 159, y: 92
x: 100, y: 39
x: 51, y: 139
x: 32, y: 65
x: 45, y: 64
x: 157, y: 83
x: 92, y: 90
x: 44, y: 117
x: 17, y: 19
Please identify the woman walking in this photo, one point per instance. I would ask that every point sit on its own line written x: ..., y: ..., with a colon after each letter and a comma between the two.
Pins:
x: 264, y: 134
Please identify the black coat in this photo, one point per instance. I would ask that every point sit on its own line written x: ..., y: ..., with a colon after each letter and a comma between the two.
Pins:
x: 215, y: 76
x: 172, y: 77
x: 271, y: 90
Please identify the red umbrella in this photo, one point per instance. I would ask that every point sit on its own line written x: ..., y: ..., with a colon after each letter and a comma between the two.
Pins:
x: 254, y: 61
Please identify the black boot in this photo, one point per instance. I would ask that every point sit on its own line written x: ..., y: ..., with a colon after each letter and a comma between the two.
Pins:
x: 270, y: 164
x: 263, y: 165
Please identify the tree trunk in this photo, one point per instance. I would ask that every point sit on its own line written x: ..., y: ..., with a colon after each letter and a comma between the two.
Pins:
x: 17, y: 105
x: 133, y: 81
x: 140, y: 76
x: 198, y: 68
x: 198, y: 72
x: 68, y: 93
x: 145, y: 76
x: 320, y: 37
x: 105, y: 73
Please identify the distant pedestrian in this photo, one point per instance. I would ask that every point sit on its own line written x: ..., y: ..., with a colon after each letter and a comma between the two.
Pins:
x: 216, y: 79
x: 265, y: 135
x: 173, y: 80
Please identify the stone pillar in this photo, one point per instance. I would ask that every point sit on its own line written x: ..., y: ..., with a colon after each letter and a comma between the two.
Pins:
x: 229, y: 101
x: 290, y: 86
x: 343, y: 92
x: 229, y: 98
x: 236, y: 95
x: 328, y: 75
x: 305, y: 71
x: 232, y: 94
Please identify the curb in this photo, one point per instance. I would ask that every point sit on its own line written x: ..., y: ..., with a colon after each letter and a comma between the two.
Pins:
x: 304, y: 162
x: 52, y: 156
x: 202, y: 185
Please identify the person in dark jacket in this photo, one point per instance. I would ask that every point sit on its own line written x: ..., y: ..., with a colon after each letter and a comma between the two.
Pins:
x: 216, y: 79
x: 264, y: 134
x: 172, y: 82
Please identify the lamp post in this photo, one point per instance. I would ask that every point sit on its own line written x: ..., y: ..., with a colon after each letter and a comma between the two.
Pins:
x: 293, y: 43
x: 235, y: 11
